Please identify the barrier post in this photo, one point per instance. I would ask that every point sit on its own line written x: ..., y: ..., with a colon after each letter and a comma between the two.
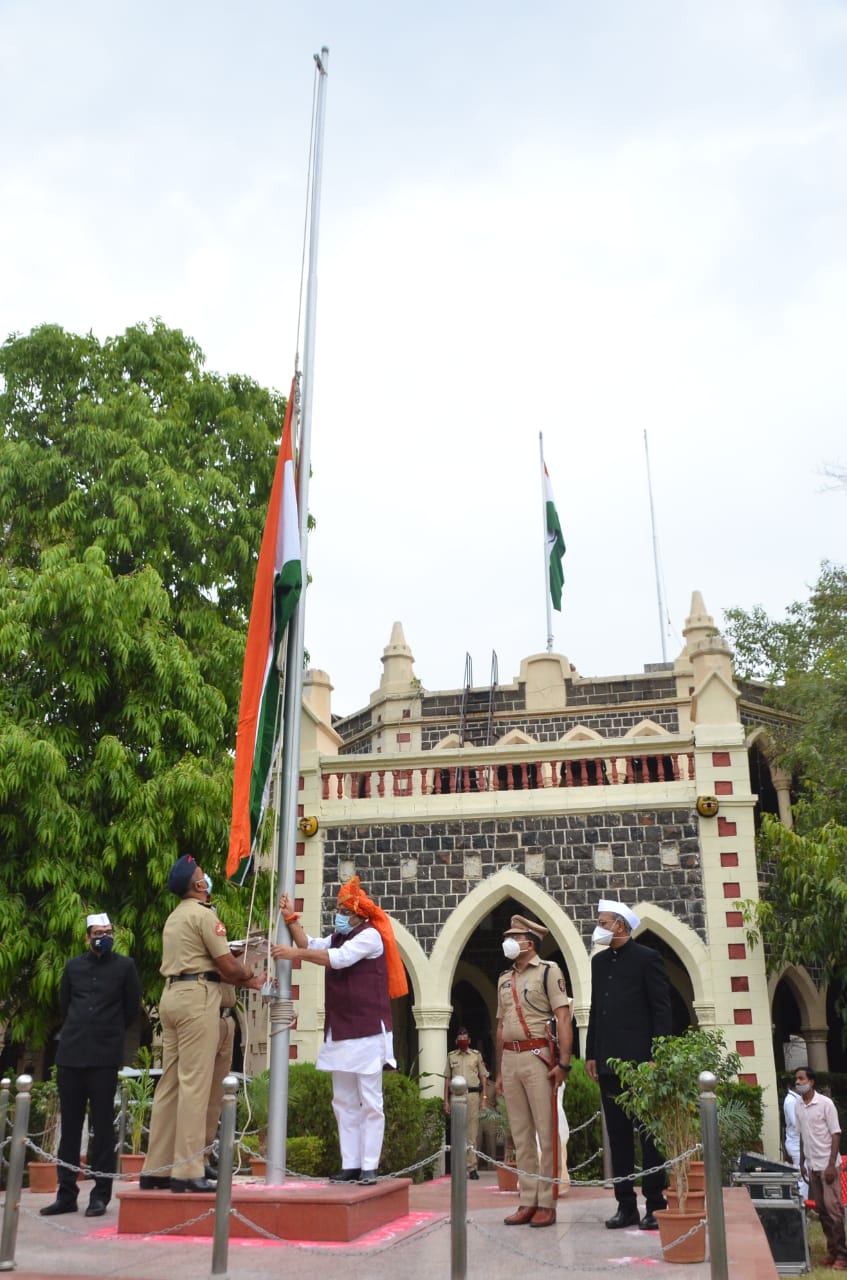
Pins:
x: 716, y: 1224
x: 17, y: 1156
x: 458, y: 1178
x: 5, y: 1086
x: 223, y: 1196
x: 122, y: 1121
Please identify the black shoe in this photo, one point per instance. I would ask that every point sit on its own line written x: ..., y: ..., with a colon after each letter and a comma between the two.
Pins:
x: 149, y: 1182
x: 648, y: 1222
x: 624, y: 1218
x: 96, y: 1209
x: 367, y: 1178
x: 346, y: 1175
x: 210, y: 1173
x: 58, y: 1206
x: 473, y: 1175
x: 193, y: 1184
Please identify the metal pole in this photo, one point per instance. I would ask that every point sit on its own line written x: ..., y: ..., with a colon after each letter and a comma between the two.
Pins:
x: 5, y: 1086
x: 293, y: 707
x: 545, y: 549
x: 712, y: 1162
x: 17, y: 1155
x: 656, y: 556
x: 458, y: 1178
x: 223, y: 1197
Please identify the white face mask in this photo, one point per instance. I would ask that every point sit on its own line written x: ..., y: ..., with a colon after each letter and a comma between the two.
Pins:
x: 511, y: 948
x: 602, y: 936
x: 802, y: 1089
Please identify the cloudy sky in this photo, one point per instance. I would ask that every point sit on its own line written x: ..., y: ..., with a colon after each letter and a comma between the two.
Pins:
x: 587, y: 219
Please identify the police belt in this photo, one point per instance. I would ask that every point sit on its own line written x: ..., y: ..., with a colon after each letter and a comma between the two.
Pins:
x: 474, y: 1088
x: 524, y: 1046
x: 210, y: 976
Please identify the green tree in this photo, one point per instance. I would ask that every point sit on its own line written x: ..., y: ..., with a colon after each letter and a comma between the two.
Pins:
x: 133, y: 492
x: 804, y: 660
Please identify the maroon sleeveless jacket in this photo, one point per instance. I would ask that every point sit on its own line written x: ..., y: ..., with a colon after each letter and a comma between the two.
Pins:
x: 357, y: 1001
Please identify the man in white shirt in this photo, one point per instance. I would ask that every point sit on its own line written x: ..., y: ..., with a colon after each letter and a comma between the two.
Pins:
x: 820, y: 1138
x: 792, y: 1138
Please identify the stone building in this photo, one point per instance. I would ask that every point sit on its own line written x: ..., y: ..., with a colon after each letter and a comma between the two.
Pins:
x: 458, y: 808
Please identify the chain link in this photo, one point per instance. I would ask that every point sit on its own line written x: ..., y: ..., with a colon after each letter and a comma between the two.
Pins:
x: 593, y: 1182
x: 49, y: 1158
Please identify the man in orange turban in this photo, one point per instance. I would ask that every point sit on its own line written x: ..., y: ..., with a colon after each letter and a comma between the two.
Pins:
x: 364, y: 972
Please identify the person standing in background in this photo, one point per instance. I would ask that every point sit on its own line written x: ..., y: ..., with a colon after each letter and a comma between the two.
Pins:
x: 99, y: 997
x: 467, y: 1062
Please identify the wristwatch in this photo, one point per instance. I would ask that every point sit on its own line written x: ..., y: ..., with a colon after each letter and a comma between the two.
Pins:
x: 564, y: 1066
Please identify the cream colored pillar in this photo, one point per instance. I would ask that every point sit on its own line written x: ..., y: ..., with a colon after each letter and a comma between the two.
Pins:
x: 432, y: 1023
x: 782, y: 786
x: 816, y: 1038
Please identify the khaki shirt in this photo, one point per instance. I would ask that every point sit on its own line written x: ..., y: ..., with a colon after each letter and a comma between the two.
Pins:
x: 538, y: 1001
x: 468, y: 1064
x: 192, y: 939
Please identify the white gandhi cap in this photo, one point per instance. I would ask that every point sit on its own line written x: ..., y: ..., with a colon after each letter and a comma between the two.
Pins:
x: 101, y: 921
x: 619, y: 909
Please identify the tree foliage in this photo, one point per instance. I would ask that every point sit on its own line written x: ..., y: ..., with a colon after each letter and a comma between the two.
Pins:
x: 133, y: 491
x: 804, y: 659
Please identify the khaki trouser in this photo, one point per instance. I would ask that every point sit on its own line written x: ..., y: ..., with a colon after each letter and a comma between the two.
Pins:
x: 190, y: 1013
x: 473, y: 1129
x: 220, y: 1069
x: 529, y: 1102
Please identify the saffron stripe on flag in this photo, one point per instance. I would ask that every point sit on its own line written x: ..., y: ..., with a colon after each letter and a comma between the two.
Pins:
x: 275, y: 595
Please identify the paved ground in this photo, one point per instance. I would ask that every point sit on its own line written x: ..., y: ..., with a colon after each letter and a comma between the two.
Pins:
x: 418, y: 1246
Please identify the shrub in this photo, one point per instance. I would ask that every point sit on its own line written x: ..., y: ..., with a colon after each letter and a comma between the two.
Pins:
x: 582, y: 1101
x: 433, y: 1128
x: 305, y: 1156
x: 404, y: 1110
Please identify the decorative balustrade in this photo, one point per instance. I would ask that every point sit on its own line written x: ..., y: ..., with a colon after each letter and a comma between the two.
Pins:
x: 360, y: 780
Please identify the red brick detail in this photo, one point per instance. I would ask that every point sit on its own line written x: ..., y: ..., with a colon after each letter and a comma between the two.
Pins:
x: 295, y: 991
x: 748, y: 1077
x: 406, y: 713
x: 721, y: 759
x: 732, y: 889
x: 734, y: 919
x: 741, y: 983
x: 729, y: 859
x: 742, y: 1017
x: 292, y: 1052
x: 746, y: 1048
x: 726, y: 828
x: 723, y: 788
x: 300, y: 783
x: 300, y: 811
x: 298, y: 904
x: 737, y: 951
x: 300, y: 876
x: 299, y: 850
x: 404, y: 737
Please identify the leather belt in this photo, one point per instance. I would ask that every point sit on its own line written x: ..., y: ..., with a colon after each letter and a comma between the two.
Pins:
x: 210, y: 976
x: 523, y: 1046
x: 474, y: 1088
x: 226, y: 1013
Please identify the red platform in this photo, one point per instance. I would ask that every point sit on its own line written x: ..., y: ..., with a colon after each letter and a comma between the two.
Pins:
x: 295, y: 1211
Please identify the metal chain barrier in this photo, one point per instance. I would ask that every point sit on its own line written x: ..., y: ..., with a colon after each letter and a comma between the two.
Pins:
x: 590, y: 1182
x: 49, y: 1158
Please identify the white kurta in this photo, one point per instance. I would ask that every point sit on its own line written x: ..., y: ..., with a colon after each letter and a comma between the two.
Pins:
x: 365, y: 1054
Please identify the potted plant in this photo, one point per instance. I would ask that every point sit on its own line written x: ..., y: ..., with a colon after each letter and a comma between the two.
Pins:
x: 663, y: 1095
x: 43, y: 1176
x: 498, y: 1117
x: 139, y: 1093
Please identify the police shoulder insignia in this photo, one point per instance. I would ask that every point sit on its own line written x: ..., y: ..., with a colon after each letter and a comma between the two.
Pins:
x: 220, y: 929
x: 561, y: 984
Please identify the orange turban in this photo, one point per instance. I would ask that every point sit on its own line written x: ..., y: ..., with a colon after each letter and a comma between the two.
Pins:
x: 352, y: 896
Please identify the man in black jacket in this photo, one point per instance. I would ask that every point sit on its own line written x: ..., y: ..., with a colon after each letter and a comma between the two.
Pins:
x: 99, y: 998
x: 630, y: 1005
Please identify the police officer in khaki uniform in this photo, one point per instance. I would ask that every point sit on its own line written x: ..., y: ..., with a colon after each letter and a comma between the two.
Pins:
x: 467, y: 1062
x: 195, y: 957
x: 226, y: 1042
x: 529, y: 1068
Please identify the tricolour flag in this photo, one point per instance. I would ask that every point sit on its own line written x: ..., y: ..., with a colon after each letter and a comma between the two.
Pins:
x: 275, y: 595
x: 555, y: 544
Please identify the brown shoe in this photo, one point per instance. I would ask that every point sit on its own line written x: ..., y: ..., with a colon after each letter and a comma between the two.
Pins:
x: 525, y: 1213
x: 543, y: 1218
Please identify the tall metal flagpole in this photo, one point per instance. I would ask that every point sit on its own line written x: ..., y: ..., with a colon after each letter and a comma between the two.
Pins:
x: 656, y: 556
x: 544, y: 543
x: 286, y: 854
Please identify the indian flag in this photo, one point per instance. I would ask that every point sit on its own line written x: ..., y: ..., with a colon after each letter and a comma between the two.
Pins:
x: 555, y: 544
x: 275, y: 595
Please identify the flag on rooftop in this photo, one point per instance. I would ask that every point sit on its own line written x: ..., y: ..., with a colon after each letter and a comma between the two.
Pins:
x: 275, y: 595
x: 555, y: 544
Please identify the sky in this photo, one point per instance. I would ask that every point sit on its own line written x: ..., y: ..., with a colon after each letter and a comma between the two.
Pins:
x: 582, y: 220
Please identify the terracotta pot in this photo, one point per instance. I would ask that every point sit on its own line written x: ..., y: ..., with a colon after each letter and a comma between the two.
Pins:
x: 674, y: 1225
x: 695, y: 1201
x: 258, y: 1166
x: 132, y: 1162
x: 43, y: 1176
x: 697, y: 1174
x: 507, y: 1179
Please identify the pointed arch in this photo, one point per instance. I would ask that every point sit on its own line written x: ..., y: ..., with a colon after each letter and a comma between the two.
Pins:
x: 516, y: 738
x: 690, y: 950
x: 811, y: 1000
x: 452, y: 742
x: 582, y: 733
x: 647, y: 729
x: 413, y: 957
